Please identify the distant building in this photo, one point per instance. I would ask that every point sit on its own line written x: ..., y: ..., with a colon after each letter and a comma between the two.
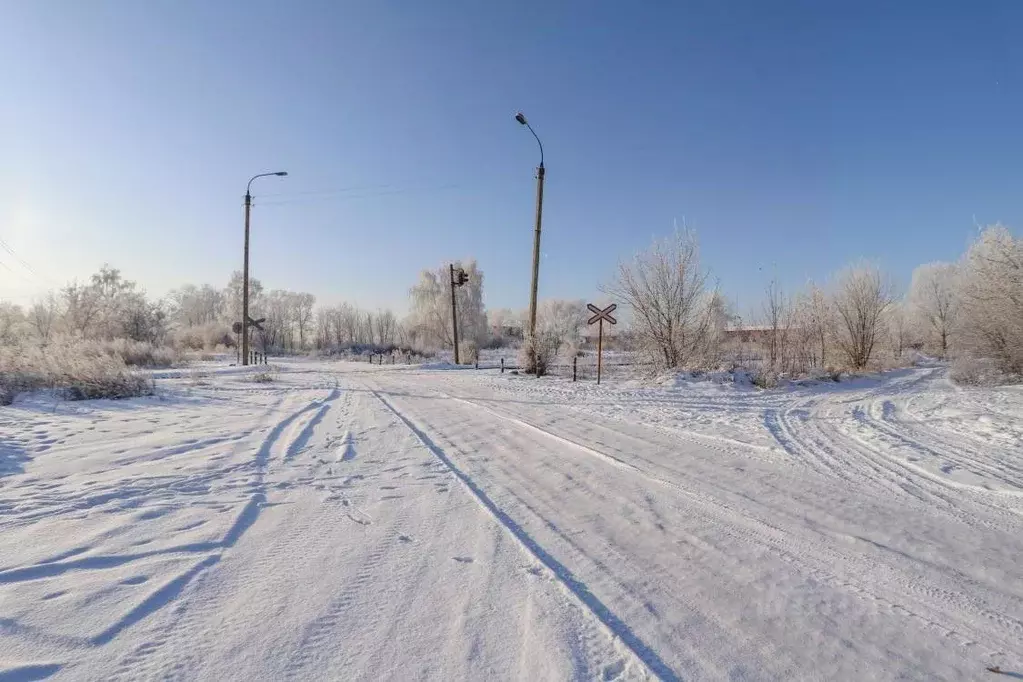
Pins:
x: 754, y: 333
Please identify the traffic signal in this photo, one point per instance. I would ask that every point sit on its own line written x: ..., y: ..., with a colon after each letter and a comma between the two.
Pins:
x: 462, y: 277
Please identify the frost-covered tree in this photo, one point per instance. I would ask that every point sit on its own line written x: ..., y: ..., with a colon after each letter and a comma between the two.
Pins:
x: 42, y: 316
x: 506, y: 324
x: 113, y: 293
x: 861, y: 299
x: 722, y: 316
x: 346, y: 324
x: 302, y: 314
x: 80, y: 308
x: 775, y: 317
x: 12, y: 323
x: 820, y: 318
x: 386, y: 327
x: 803, y: 341
x: 193, y: 306
x: 233, y: 297
x: 899, y: 327
x: 277, y: 311
x: 140, y: 319
x: 933, y: 303
x: 991, y: 288
x: 430, y: 313
x: 666, y: 289
x: 322, y: 321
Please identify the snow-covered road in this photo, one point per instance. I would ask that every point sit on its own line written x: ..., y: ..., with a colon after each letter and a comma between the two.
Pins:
x: 356, y: 522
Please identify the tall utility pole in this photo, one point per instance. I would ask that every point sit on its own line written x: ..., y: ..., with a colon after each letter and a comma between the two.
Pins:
x: 456, y: 281
x: 536, y: 249
x: 245, y: 267
x: 245, y: 281
x: 521, y: 118
x: 454, y: 313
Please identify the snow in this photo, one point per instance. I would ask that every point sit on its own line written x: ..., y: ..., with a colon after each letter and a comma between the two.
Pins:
x: 362, y: 522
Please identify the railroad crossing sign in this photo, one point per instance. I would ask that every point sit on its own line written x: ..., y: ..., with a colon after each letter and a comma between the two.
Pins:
x: 599, y: 316
x: 604, y: 314
x: 258, y: 324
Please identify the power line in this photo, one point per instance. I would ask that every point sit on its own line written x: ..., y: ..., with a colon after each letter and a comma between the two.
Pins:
x: 16, y: 273
x: 24, y: 263
x: 340, y: 190
x: 366, y: 195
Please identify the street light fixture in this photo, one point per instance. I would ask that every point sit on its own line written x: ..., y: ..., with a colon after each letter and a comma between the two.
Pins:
x: 245, y: 267
x: 521, y: 118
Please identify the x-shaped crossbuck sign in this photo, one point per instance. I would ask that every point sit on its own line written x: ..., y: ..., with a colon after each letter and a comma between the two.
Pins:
x: 604, y: 314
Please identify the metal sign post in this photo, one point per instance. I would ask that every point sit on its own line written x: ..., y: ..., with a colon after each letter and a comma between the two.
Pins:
x: 598, y: 318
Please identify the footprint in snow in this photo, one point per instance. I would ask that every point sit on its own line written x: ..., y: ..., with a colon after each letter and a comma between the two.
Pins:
x: 135, y: 580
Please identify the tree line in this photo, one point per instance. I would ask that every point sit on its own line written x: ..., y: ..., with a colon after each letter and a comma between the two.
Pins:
x: 970, y: 311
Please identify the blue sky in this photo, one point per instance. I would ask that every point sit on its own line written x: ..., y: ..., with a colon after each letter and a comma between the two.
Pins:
x: 793, y: 137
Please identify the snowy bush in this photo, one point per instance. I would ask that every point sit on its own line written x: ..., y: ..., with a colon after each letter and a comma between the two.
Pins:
x: 559, y: 325
x: 79, y: 370
x: 764, y: 379
x: 139, y: 353
x: 208, y: 336
x: 537, y: 353
x: 977, y: 372
x: 267, y: 375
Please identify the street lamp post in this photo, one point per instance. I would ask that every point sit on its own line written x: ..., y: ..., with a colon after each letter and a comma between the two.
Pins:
x: 521, y: 118
x: 245, y: 267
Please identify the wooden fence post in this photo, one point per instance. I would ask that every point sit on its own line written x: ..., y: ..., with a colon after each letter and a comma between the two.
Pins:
x: 502, y: 365
x: 575, y: 359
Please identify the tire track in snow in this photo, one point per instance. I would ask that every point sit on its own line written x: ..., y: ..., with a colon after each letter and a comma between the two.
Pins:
x: 959, y: 453
x: 188, y: 618
x: 616, y: 628
x: 299, y: 429
x: 851, y: 457
x: 945, y: 497
x: 876, y: 581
